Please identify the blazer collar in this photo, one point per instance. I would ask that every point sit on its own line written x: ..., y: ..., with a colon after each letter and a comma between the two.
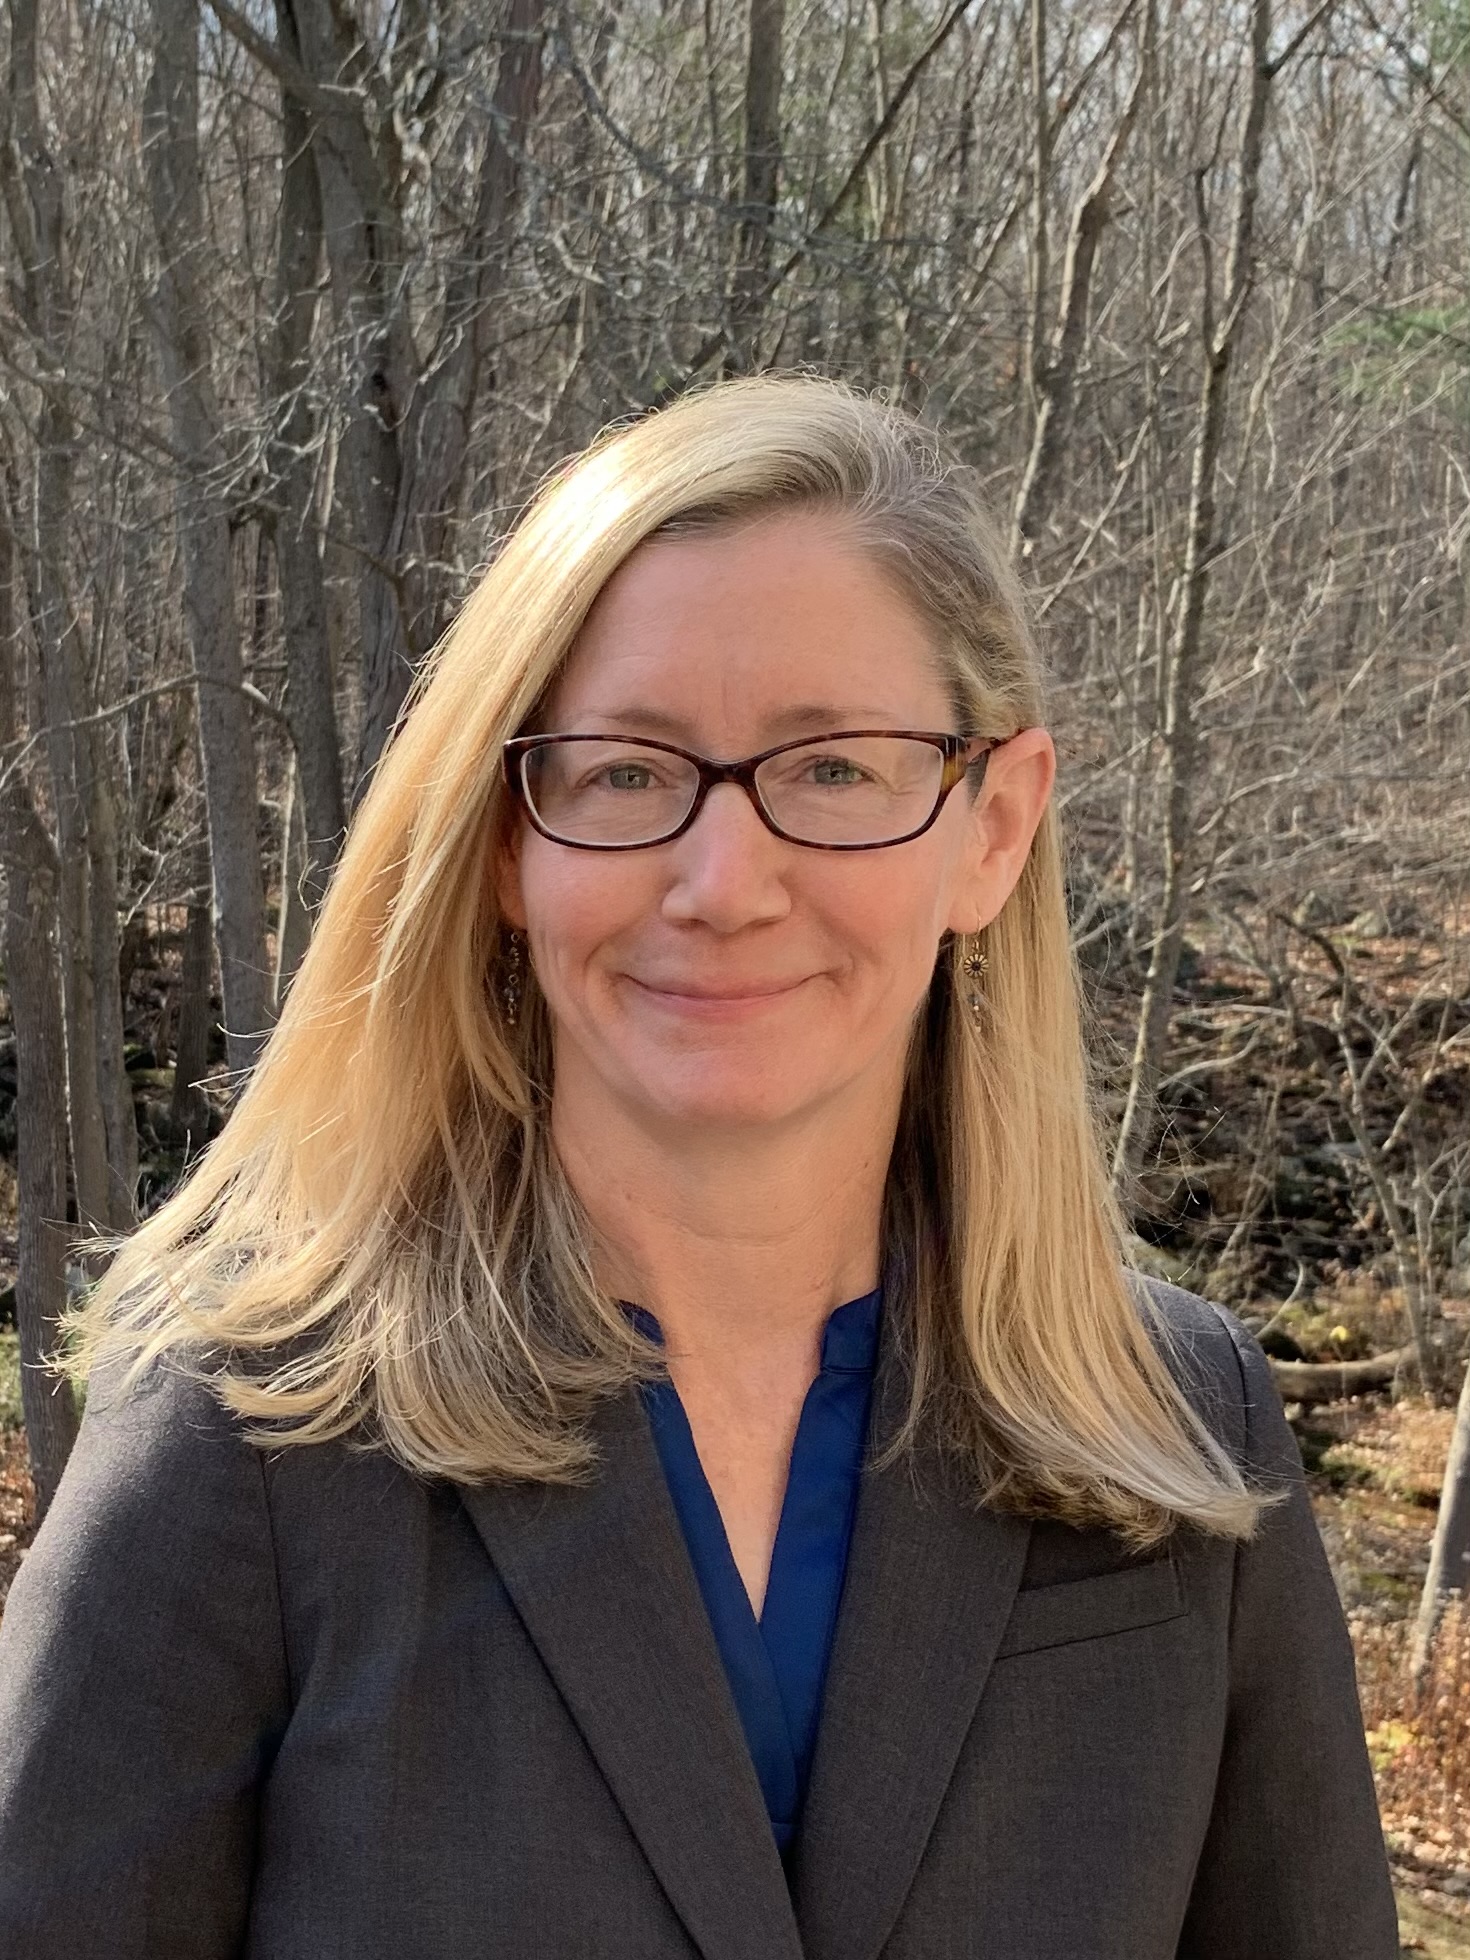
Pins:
x: 931, y: 1580
x: 601, y: 1579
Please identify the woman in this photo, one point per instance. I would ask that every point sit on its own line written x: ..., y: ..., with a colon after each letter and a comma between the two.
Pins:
x: 638, y: 1441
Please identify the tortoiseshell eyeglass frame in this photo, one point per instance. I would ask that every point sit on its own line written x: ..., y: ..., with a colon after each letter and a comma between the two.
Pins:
x: 961, y: 754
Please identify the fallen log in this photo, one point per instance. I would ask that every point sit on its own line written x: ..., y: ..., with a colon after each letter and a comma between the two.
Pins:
x: 1330, y: 1381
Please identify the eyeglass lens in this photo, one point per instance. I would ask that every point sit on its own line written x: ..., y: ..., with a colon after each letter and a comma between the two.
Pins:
x: 866, y: 789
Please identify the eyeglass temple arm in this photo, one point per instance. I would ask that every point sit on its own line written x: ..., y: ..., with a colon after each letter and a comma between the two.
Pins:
x: 972, y: 749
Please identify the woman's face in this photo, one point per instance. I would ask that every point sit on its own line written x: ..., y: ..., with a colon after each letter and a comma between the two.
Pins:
x: 730, y: 978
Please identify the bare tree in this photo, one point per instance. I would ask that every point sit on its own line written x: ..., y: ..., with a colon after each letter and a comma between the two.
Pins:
x: 1054, y: 371
x: 226, y: 739
x: 406, y: 434
x: 99, y: 1102
x: 32, y: 969
x: 767, y: 22
x: 1221, y: 324
x: 293, y: 457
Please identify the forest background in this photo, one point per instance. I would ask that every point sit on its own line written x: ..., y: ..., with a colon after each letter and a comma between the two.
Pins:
x: 302, y: 298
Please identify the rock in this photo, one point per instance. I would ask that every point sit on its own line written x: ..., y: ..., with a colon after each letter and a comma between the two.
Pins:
x: 1369, y: 925
x: 1317, y: 909
x: 1277, y: 1342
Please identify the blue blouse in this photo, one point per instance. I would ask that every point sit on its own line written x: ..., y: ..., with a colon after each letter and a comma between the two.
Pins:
x: 777, y: 1665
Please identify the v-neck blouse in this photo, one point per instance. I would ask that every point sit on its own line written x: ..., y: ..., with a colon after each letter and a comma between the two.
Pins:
x: 777, y: 1665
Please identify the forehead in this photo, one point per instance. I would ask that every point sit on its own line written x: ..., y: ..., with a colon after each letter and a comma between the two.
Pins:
x: 774, y: 625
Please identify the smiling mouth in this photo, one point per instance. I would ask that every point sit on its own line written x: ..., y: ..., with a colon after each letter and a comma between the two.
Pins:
x: 725, y: 997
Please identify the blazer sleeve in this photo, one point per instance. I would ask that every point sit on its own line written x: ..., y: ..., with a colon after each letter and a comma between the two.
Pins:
x: 1293, y: 1866
x: 143, y: 1685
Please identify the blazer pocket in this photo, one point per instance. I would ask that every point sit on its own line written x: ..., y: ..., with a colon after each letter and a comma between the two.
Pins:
x: 1085, y: 1609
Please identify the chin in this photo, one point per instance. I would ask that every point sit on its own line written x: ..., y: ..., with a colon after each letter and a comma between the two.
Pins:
x: 726, y: 1098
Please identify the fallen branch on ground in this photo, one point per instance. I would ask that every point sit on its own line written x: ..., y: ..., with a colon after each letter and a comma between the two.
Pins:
x: 1330, y: 1381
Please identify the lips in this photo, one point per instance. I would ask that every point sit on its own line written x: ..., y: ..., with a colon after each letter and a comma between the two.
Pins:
x: 685, y: 990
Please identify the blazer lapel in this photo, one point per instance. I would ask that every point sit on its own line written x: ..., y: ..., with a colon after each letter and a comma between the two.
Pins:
x: 600, y: 1577
x: 931, y: 1580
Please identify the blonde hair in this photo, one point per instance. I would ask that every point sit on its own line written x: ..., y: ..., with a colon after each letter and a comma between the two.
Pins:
x: 381, y: 1244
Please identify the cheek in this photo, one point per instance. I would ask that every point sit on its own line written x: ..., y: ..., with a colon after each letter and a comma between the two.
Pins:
x: 890, y: 924
x: 576, y: 902
x: 902, y: 894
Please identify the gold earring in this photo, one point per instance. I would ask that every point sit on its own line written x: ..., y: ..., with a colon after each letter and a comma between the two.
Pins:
x: 974, y: 965
x: 511, y: 976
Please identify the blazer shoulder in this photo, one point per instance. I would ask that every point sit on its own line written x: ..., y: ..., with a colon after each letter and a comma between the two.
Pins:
x: 1211, y: 1354
x: 161, y: 1478
x: 175, y: 1392
x: 163, y: 1425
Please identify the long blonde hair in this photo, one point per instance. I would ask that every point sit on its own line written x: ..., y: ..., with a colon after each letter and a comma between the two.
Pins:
x: 381, y: 1244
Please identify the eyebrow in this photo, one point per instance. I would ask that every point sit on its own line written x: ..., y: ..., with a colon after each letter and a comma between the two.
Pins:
x: 818, y: 716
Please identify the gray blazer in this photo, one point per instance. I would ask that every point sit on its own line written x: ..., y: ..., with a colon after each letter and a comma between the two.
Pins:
x: 308, y: 1706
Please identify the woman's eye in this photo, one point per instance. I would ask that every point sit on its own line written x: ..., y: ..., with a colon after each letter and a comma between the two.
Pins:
x: 834, y: 770
x: 621, y: 776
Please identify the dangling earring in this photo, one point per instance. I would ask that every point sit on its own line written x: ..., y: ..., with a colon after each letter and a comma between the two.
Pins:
x: 974, y: 965
x: 512, y: 970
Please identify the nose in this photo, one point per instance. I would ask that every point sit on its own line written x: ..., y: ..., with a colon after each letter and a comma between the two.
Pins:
x: 727, y: 867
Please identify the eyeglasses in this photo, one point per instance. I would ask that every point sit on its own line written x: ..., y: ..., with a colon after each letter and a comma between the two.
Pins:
x: 857, y: 790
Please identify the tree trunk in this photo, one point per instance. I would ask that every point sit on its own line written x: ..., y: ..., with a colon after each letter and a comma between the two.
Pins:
x: 33, y: 976
x: 293, y: 916
x: 115, y: 1091
x: 762, y: 179
x: 1449, y: 1554
x: 439, y: 429
x: 364, y: 252
x: 62, y: 660
x: 1055, y: 378
x: 406, y: 439
x: 310, y: 703
x: 171, y: 125
x: 1039, y: 257
x: 1183, y: 679
x: 189, y: 1113
x: 99, y: 1100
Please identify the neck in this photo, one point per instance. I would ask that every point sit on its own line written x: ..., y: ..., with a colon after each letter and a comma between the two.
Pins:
x: 740, y: 1247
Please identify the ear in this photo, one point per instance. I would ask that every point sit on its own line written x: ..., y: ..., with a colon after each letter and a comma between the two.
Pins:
x: 504, y: 871
x: 1003, y: 821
